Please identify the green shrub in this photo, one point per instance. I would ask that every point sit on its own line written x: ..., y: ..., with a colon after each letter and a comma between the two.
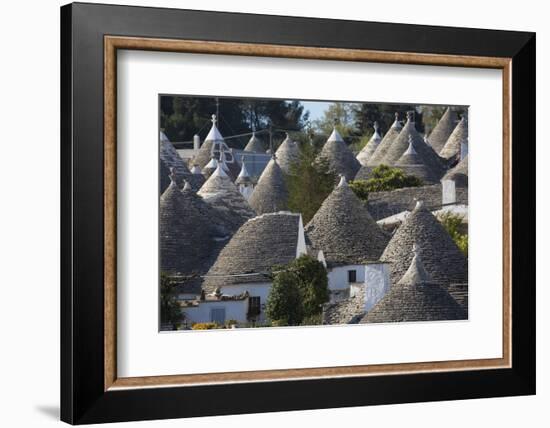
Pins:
x: 452, y: 224
x: 299, y: 290
x: 384, y: 178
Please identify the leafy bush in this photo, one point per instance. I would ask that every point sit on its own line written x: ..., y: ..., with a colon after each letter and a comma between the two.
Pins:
x: 284, y: 303
x: 452, y: 224
x: 205, y: 326
x: 384, y: 178
x: 316, y: 319
x: 299, y: 290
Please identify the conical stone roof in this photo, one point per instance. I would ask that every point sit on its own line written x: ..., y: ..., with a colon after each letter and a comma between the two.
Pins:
x: 255, y: 145
x: 442, y: 259
x: 220, y: 192
x: 443, y: 130
x: 378, y: 155
x: 452, y: 146
x: 287, y: 154
x: 459, y: 173
x: 339, y: 157
x: 364, y: 172
x: 366, y: 153
x: 411, y: 163
x: 171, y: 160
x: 244, y: 175
x: 401, y: 143
x: 344, y: 230
x: 185, y: 235
x: 416, y: 297
x: 261, y: 243
x: 270, y: 194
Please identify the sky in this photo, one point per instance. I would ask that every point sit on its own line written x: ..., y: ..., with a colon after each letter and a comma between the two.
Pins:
x: 315, y: 108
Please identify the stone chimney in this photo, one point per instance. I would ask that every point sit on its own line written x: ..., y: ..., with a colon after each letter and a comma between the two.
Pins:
x: 377, y: 283
x: 448, y: 191
x: 196, y: 142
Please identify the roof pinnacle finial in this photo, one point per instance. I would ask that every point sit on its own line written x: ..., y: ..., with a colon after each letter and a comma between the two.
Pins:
x: 214, y: 120
x: 186, y: 186
x: 343, y: 182
x: 410, y: 116
x: 419, y: 204
x: 415, y: 250
x: 173, y: 175
x: 376, y: 126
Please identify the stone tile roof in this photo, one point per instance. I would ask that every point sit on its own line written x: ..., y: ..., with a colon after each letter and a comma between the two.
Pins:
x: 348, y: 311
x: 270, y: 194
x: 442, y: 259
x: 204, y: 154
x: 378, y: 155
x: 387, y: 203
x: 344, y: 230
x: 366, y: 153
x: 287, y: 154
x: 401, y: 143
x: 452, y: 146
x: 261, y: 243
x: 219, y: 192
x: 459, y: 173
x: 364, y: 172
x: 412, y: 163
x: 416, y: 297
x: 442, y: 131
x: 459, y: 292
x: 339, y: 157
x: 186, y: 238
x: 169, y: 159
x: 255, y: 145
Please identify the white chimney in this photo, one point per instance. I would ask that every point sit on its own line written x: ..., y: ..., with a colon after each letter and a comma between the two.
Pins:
x: 196, y: 142
x: 377, y: 283
x: 448, y: 194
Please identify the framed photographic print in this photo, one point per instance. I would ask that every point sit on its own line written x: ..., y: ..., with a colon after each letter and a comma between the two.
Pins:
x: 273, y: 213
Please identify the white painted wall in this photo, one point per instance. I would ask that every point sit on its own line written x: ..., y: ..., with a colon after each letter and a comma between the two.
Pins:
x: 338, y: 276
x: 260, y: 289
x: 301, y: 247
x: 234, y: 310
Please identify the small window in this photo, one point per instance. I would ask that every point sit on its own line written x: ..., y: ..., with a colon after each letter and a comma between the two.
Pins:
x: 352, y: 276
x: 254, y: 306
x: 217, y: 315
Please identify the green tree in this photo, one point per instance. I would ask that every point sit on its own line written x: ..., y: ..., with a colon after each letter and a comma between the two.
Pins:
x: 383, y: 178
x: 341, y: 114
x: 284, y: 303
x: 308, y: 183
x: 365, y: 114
x: 170, y: 311
x: 312, y: 281
x: 182, y: 117
x: 298, y: 292
x: 453, y: 225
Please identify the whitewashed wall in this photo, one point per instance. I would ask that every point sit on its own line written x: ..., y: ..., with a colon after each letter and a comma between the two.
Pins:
x: 260, y: 289
x: 338, y: 276
x: 234, y: 310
